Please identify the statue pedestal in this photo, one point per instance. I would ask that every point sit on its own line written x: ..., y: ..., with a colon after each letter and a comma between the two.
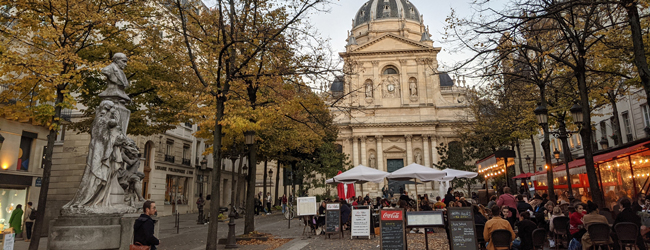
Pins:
x: 93, y: 231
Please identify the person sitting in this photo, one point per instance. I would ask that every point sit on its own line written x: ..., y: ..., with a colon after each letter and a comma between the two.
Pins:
x: 576, y: 227
x: 508, y: 214
x: 629, y: 215
x: 345, y: 214
x: 493, y: 201
x: 525, y: 228
x: 478, y: 216
x: 590, y: 218
x: 439, y: 204
x: 494, y: 224
x: 522, y: 206
x: 557, y: 212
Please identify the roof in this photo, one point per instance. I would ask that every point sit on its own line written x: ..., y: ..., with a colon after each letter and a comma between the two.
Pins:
x: 337, y: 85
x: 386, y: 9
x: 445, y: 80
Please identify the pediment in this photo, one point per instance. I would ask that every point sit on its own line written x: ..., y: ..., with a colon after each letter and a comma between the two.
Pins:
x: 394, y: 149
x: 390, y: 42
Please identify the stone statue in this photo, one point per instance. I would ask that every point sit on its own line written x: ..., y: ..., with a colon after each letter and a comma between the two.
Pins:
x: 413, y: 86
x: 372, y: 160
x: 117, y: 80
x: 369, y: 90
x: 418, y: 158
x: 113, y: 159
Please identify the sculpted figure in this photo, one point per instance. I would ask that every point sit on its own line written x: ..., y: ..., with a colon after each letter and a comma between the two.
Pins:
x: 103, y: 161
x: 414, y: 88
x: 129, y: 178
x: 117, y: 80
x: 372, y: 160
x: 418, y: 158
x: 369, y: 90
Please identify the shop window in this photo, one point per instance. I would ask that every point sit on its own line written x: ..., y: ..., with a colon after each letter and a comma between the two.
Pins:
x: 9, y: 199
x: 616, y: 178
x: 176, y: 190
x: 202, y: 185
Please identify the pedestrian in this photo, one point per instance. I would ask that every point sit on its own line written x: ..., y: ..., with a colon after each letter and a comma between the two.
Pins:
x: 29, y: 222
x: 16, y: 219
x: 199, y: 204
x: 206, y: 209
x: 284, y: 203
x: 258, y: 205
x: 268, y: 202
x: 144, y: 227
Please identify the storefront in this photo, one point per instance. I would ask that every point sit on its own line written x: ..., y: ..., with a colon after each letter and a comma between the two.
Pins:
x: 622, y: 172
x: 178, y: 189
x: 14, y: 190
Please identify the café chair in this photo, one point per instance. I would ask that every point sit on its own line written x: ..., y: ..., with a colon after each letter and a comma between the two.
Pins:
x: 561, y: 229
x: 479, y: 235
x: 539, y: 238
x: 599, y: 235
x: 627, y: 234
x: 501, y: 239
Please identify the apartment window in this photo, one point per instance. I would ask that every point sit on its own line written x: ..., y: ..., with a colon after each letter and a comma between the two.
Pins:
x: 612, y: 123
x: 43, y: 157
x: 627, y: 126
x: 186, y: 155
x: 603, y: 129
x: 169, y: 151
x: 24, y: 151
x: 60, y: 137
x: 646, y: 115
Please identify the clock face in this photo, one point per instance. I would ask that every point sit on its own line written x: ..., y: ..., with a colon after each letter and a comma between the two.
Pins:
x: 391, y: 87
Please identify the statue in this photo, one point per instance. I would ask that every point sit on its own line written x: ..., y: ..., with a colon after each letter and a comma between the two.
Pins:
x: 413, y: 86
x: 368, y: 90
x: 117, y: 80
x: 372, y: 160
x: 113, y: 159
x: 418, y: 158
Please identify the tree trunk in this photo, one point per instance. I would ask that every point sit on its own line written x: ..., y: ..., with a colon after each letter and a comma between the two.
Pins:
x: 637, y: 40
x: 47, y: 170
x: 264, y: 181
x: 277, y: 185
x: 616, y: 124
x: 249, y: 220
x: 521, y: 166
x: 532, y: 143
x: 240, y: 181
x: 216, y: 178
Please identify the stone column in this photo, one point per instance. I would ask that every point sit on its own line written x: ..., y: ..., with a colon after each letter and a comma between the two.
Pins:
x: 364, y: 153
x: 380, y: 153
x: 409, y: 149
x: 434, y: 150
x: 355, y: 151
x: 425, y: 150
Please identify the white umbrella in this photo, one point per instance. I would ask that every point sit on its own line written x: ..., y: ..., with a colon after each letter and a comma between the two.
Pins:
x: 333, y: 182
x: 459, y: 174
x: 418, y: 171
x: 360, y: 174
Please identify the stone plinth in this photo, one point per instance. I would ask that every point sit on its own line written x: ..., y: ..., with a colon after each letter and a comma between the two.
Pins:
x: 90, y: 232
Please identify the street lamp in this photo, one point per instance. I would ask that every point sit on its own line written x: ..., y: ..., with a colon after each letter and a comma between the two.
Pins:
x: 604, y: 143
x: 556, y: 154
x: 576, y: 113
x: 271, y: 178
x: 232, y: 242
x: 249, y: 221
x: 528, y: 162
x: 541, y: 112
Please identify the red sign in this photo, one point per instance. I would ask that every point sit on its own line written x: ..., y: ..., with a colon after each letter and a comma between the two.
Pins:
x: 391, y: 215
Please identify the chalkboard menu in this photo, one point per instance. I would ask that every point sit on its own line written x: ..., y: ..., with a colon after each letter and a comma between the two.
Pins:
x: 393, y: 232
x: 332, y: 218
x: 461, y: 228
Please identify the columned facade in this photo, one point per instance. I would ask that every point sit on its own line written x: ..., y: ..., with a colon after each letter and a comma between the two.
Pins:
x: 392, y: 101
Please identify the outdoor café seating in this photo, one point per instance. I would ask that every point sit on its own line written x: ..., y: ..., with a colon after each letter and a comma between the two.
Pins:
x: 501, y: 239
x: 626, y: 233
x: 560, y: 228
x: 539, y: 238
x: 479, y: 235
x: 599, y: 233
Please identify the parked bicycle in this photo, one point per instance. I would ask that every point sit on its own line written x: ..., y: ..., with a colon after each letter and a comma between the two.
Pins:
x: 289, y: 213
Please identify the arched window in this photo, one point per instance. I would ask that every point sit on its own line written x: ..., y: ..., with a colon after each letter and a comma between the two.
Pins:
x: 390, y: 71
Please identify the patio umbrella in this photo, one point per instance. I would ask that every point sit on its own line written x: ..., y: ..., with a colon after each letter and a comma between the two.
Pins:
x: 341, y: 188
x: 360, y: 174
x: 459, y: 173
x: 417, y: 171
x: 351, y: 192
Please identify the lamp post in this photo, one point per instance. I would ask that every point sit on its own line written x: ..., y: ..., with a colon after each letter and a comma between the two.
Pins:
x: 528, y: 163
x: 249, y: 221
x: 232, y: 242
x: 562, y: 133
x: 271, y: 178
x: 541, y: 113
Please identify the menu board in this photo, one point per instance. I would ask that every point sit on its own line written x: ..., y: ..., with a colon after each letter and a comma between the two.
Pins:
x: 306, y: 206
x: 424, y: 219
x: 393, y: 232
x: 361, y: 221
x: 9, y: 241
x: 332, y: 219
x: 461, y: 228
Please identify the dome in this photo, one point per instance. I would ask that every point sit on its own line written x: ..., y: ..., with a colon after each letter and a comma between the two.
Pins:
x: 386, y: 9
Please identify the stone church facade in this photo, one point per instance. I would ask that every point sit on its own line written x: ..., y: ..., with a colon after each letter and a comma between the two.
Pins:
x: 392, y: 105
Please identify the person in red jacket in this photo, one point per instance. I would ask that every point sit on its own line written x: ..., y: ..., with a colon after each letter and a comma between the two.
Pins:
x: 507, y: 199
x: 576, y: 227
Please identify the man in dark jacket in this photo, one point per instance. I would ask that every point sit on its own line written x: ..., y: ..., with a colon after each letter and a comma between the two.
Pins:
x: 525, y: 231
x: 522, y: 206
x: 144, y: 226
x: 449, y: 197
x: 628, y: 215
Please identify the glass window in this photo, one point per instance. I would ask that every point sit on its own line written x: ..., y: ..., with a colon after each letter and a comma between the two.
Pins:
x: 176, y: 190
x: 169, y: 148
x: 617, y: 180
x: 646, y: 114
x: 641, y: 168
x: 626, y: 123
x: 9, y: 199
x: 603, y: 129
x: 390, y: 71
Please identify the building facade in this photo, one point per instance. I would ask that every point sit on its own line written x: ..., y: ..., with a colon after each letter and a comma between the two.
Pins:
x: 21, y: 165
x: 392, y: 106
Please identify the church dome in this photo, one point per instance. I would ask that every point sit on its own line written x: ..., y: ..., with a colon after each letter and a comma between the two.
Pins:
x: 386, y: 9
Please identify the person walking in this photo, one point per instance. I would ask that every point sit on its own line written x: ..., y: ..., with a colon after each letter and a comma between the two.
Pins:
x: 258, y: 205
x: 29, y: 223
x: 16, y: 219
x: 268, y: 202
x: 199, y: 204
x: 144, y: 227
x: 284, y: 203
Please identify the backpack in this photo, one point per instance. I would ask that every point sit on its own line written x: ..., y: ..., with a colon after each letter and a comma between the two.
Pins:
x: 32, y: 215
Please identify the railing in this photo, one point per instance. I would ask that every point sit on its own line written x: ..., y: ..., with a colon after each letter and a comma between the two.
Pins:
x: 169, y: 158
x: 446, y: 88
x: 187, y: 162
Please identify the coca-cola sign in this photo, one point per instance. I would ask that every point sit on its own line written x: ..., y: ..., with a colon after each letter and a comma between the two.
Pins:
x: 391, y: 215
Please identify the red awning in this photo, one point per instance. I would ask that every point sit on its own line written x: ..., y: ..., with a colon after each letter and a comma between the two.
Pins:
x: 523, y: 176
x: 618, y: 153
x: 573, y: 164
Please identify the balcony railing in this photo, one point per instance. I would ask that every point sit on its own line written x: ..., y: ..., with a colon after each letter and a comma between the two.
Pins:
x: 187, y: 162
x: 169, y: 158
